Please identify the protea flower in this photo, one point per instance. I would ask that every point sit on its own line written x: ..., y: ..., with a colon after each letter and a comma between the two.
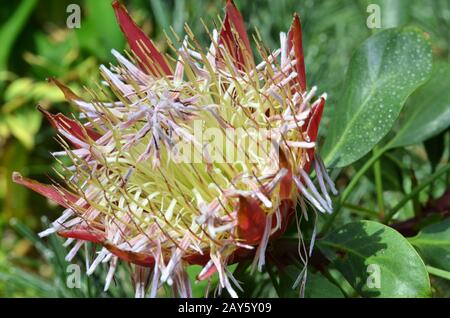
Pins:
x: 130, y: 189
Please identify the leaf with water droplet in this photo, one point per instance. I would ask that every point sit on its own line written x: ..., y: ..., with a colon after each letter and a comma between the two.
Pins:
x: 383, y: 72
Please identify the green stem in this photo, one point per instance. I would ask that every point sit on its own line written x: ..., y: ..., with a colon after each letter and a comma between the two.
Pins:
x: 361, y: 172
x: 360, y: 210
x: 379, y: 186
x: 348, y: 190
x: 427, y: 181
x: 438, y: 272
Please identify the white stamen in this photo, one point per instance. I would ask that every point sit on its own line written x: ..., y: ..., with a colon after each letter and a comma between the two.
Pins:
x: 305, y: 192
x: 111, y: 271
x: 97, y: 261
x: 74, y: 251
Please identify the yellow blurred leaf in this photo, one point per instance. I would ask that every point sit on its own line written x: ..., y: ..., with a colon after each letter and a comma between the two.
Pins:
x: 18, y: 88
x: 24, y: 125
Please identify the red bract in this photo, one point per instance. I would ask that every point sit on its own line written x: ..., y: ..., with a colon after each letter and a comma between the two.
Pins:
x: 58, y: 195
x: 136, y: 197
x: 70, y: 126
x: 150, y: 59
x: 295, y: 41
x: 234, y: 37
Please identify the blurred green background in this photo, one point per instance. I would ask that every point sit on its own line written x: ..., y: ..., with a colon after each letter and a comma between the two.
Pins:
x: 36, y: 44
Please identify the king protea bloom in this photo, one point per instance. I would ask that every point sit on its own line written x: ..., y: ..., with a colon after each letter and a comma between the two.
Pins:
x: 127, y: 190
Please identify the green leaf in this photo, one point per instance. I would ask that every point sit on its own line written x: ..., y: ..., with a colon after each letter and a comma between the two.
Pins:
x: 435, y: 147
x: 383, y: 72
x: 428, y: 112
x: 99, y: 32
x: 160, y: 12
x: 17, y: 88
x: 317, y: 286
x: 14, y: 199
x: 433, y: 243
x: 10, y: 29
x: 19, y: 279
x: 24, y: 125
x: 362, y: 250
x: 393, y: 13
x: 27, y: 233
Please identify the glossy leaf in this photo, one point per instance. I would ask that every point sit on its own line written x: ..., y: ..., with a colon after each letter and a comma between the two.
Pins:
x: 428, y: 112
x: 362, y: 250
x: 383, y: 72
x: 433, y: 243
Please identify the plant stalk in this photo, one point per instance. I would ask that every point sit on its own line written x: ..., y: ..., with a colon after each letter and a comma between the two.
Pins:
x: 341, y: 200
x: 427, y: 181
x: 379, y: 186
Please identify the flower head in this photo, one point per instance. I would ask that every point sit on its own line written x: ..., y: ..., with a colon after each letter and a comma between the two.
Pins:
x: 199, y: 160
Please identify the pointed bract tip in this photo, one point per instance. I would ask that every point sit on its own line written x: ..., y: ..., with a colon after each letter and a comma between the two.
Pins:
x: 233, y: 19
x: 115, y: 4
x: 295, y: 21
x: 16, y: 176
x: 41, y: 109
x: 45, y: 112
x: 296, y: 18
x: 295, y: 40
x: 68, y: 93
x: 150, y: 59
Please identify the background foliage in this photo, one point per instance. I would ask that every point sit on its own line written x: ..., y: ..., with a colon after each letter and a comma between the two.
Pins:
x: 385, y: 133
